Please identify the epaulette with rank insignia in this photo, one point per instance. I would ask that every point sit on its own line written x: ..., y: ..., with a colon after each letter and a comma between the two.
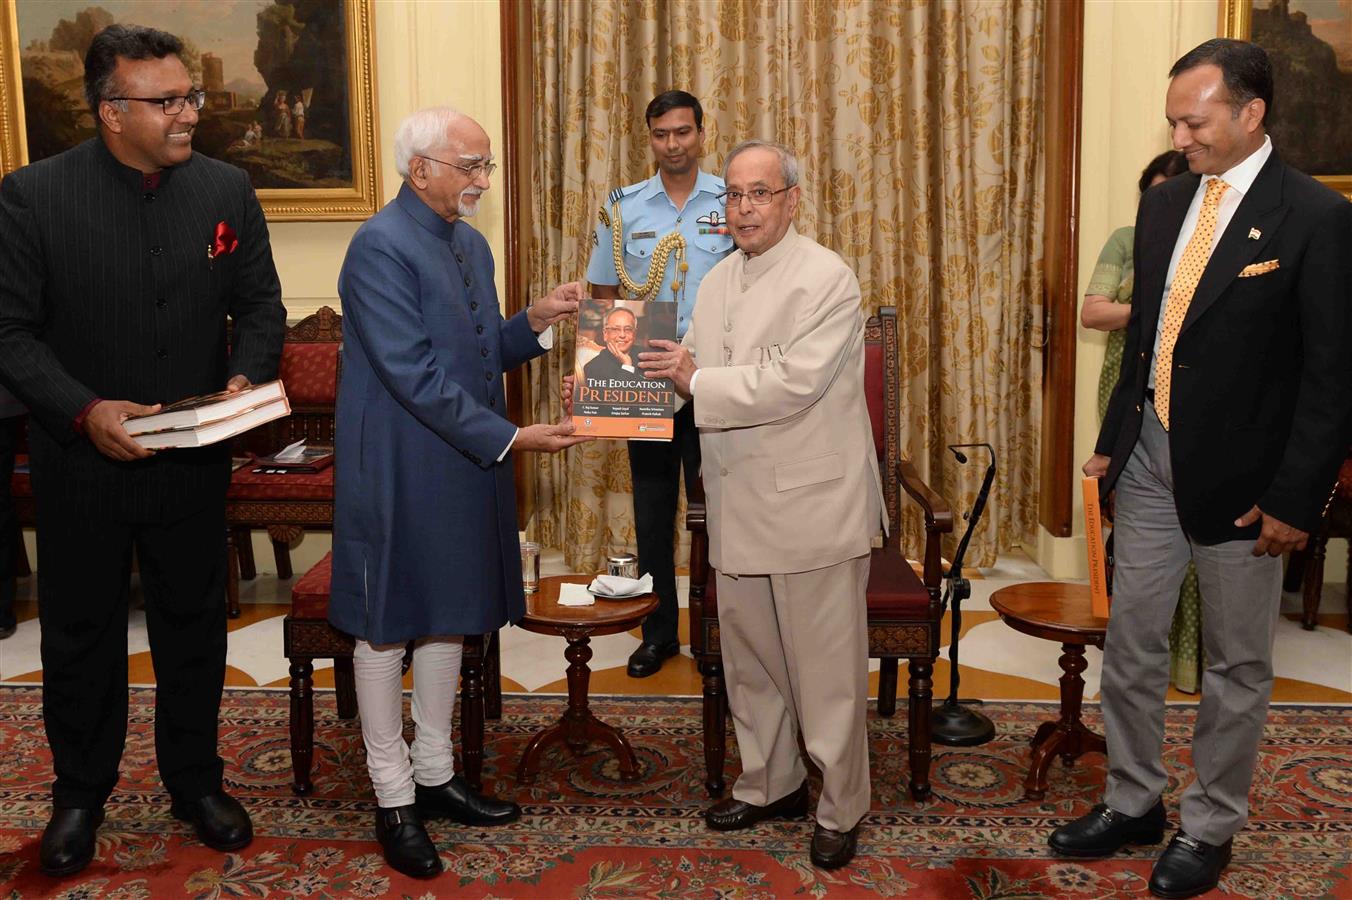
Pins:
x: 620, y: 193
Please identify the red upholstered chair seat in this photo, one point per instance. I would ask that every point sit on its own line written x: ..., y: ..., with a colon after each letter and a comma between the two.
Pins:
x: 245, y: 485
x: 21, y: 485
x: 894, y: 590
x: 1345, y: 479
x: 310, y: 595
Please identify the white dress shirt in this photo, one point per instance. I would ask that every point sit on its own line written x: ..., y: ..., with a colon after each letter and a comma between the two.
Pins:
x: 1240, y: 178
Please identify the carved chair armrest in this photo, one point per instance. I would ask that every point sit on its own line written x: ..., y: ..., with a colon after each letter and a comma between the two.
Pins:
x: 938, y: 520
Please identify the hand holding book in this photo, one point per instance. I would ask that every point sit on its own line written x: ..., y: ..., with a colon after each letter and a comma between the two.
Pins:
x: 104, y: 427
x: 669, y: 360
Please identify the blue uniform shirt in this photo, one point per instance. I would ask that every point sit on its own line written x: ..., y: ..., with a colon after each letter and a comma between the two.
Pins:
x: 648, y: 216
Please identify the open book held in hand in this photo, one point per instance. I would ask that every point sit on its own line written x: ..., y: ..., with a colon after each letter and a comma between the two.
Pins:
x: 207, y: 408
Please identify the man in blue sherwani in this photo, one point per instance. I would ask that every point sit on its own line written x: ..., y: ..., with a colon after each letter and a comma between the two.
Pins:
x: 425, y: 537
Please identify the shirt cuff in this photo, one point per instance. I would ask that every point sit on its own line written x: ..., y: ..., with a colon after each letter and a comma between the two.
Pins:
x: 546, y: 338
x: 503, y: 454
x: 693, y: 379
x: 79, y: 421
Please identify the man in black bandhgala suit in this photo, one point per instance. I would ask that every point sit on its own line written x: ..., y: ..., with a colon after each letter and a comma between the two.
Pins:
x: 120, y: 261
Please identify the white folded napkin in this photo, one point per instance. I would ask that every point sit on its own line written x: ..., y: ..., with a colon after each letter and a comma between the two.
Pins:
x: 575, y: 595
x: 618, y: 586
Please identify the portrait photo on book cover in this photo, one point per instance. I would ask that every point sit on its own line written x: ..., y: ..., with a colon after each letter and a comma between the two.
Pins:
x: 614, y: 398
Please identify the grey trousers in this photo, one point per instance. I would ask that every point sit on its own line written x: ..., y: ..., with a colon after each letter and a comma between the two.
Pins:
x: 795, y: 652
x: 1241, y: 600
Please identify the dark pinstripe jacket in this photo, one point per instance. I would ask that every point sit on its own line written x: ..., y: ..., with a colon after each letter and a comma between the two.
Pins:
x: 106, y: 291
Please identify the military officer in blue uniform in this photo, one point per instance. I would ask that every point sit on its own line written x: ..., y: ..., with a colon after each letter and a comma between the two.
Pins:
x: 635, y: 221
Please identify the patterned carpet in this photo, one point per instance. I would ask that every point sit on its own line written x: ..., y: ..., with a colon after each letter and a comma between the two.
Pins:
x: 585, y: 834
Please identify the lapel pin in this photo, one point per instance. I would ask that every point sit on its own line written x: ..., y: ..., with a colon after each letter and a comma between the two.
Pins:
x: 1254, y: 234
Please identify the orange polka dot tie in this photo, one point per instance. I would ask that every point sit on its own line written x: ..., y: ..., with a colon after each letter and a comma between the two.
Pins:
x: 1189, y: 273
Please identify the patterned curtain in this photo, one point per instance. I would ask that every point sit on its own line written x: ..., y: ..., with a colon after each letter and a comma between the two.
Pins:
x: 917, y: 127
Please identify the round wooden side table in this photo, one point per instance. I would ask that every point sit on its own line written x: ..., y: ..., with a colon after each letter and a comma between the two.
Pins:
x: 577, y: 624
x: 1060, y: 612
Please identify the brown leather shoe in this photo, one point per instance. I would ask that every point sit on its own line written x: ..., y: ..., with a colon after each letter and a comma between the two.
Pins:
x: 833, y: 849
x: 730, y: 815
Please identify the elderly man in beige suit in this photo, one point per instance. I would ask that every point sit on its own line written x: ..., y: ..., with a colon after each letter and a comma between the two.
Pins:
x: 774, y: 362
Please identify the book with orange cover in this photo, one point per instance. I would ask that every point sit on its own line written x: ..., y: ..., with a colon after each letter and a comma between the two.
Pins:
x: 1100, y: 597
x: 612, y: 397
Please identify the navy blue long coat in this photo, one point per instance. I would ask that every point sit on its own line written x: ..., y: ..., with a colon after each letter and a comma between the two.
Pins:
x: 424, y: 535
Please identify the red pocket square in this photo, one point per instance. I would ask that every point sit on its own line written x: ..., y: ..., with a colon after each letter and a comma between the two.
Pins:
x: 225, y: 241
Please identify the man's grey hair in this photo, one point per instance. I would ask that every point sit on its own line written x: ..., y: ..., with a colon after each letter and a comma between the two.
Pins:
x: 422, y: 132
x: 788, y: 163
x: 621, y: 309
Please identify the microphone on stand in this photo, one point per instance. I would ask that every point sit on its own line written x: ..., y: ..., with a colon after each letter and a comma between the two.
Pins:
x: 951, y: 723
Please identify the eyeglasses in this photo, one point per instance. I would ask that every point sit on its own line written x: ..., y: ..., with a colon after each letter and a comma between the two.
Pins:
x: 618, y: 329
x: 757, y: 196
x: 472, y: 171
x: 172, y: 106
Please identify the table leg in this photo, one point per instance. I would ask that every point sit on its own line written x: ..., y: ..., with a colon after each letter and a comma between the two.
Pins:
x: 578, y: 727
x: 1068, y: 737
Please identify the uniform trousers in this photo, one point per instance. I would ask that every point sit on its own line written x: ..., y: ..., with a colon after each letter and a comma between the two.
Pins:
x: 795, y: 655
x: 380, y: 701
x: 655, y: 468
x: 1241, y: 598
x: 84, y: 565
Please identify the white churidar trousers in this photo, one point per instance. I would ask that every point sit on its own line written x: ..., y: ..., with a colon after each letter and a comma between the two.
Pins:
x: 380, y: 696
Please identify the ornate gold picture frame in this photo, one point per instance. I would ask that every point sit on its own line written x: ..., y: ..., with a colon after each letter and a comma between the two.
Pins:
x: 1310, y: 43
x: 290, y: 101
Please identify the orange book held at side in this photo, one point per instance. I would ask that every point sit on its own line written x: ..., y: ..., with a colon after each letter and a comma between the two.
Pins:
x: 1099, y: 598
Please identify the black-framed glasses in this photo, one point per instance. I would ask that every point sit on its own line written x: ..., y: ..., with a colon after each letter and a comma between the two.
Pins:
x: 172, y: 106
x: 757, y: 196
x: 472, y: 171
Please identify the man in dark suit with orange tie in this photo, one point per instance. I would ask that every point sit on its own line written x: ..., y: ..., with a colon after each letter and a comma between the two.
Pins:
x: 122, y: 259
x: 1222, y: 442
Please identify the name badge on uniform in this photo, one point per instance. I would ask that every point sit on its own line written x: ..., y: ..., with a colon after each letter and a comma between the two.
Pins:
x: 640, y: 235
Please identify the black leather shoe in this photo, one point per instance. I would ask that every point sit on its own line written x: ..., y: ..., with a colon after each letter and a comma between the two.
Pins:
x: 833, y: 849
x: 1189, y: 867
x: 404, y: 840
x: 455, y: 800
x: 7, y: 631
x: 647, y: 659
x: 1103, y: 831
x: 731, y: 815
x: 68, y: 840
x: 220, y: 822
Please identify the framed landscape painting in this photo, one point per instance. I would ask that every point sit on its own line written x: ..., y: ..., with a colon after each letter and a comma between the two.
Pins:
x: 290, y: 90
x: 1310, y: 44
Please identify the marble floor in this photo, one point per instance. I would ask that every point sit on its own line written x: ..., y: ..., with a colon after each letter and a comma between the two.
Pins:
x: 996, y: 663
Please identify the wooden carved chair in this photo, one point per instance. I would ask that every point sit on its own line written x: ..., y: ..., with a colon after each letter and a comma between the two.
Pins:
x: 311, y: 367
x: 903, y: 608
x: 1308, y: 567
x: 307, y: 636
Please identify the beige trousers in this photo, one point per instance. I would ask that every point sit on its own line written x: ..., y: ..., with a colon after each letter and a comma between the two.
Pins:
x: 795, y: 653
